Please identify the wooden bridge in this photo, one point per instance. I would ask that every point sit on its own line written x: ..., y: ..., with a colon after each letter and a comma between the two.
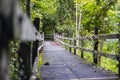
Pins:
x: 63, y: 65
x: 60, y: 64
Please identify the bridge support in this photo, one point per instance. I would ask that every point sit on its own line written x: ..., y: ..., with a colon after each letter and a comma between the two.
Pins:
x: 70, y: 49
x: 24, y: 61
x: 119, y: 51
x: 95, y: 55
x: 82, y: 44
x: 74, y: 46
x: 36, y: 23
x: 25, y: 55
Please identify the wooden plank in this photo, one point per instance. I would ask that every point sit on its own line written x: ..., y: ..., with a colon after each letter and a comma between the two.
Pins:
x: 66, y: 66
x: 101, y: 78
x: 119, y: 51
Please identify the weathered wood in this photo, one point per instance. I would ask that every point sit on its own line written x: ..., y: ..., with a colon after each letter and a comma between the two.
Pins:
x: 66, y: 66
x: 101, y: 78
x: 74, y: 45
x: 35, y: 66
x: 70, y: 42
x: 4, y: 64
x: 119, y: 51
x: 28, y: 7
x: 95, y: 52
x: 24, y: 61
x: 82, y: 45
x: 35, y: 69
x: 6, y: 34
x: 107, y: 55
x: 95, y: 55
x: 100, y: 37
x: 36, y: 23
x: 25, y: 55
x: 70, y: 49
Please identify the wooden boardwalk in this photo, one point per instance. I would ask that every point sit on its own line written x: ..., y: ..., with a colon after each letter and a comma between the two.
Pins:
x: 66, y: 66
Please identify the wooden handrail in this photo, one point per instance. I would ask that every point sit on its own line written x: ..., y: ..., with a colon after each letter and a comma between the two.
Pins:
x: 35, y: 66
x: 115, y: 57
x: 108, y: 55
x: 103, y: 36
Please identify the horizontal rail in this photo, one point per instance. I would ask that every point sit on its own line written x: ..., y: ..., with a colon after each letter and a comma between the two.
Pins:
x: 40, y: 47
x: 35, y: 69
x: 101, y: 37
x: 95, y: 52
x: 35, y: 66
x: 108, y: 55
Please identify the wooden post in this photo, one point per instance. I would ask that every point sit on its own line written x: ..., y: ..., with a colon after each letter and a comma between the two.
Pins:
x: 82, y: 44
x: 6, y: 34
x: 119, y: 56
x: 70, y: 35
x: 95, y: 55
x: 66, y: 43
x: 24, y: 61
x: 24, y: 54
x: 75, y: 45
x: 119, y: 52
x: 36, y: 23
x: 70, y: 47
x: 28, y: 7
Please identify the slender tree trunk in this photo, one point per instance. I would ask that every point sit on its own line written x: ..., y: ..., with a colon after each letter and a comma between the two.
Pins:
x: 77, y: 26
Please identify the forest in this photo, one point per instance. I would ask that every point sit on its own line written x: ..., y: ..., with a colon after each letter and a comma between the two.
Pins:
x: 75, y: 18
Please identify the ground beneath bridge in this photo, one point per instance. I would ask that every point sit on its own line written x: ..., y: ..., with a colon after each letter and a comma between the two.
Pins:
x: 66, y: 66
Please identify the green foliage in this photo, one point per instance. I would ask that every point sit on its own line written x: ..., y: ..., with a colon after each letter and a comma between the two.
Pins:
x: 60, y: 15
x: 109, y: 64
x: 13, y: 48
x: 65, y: 16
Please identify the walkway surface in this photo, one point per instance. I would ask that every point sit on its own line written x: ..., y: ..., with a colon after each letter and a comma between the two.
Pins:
x: 66, y: 66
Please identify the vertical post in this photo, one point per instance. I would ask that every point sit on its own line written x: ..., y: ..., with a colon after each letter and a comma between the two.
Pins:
x: 43, y: 36
x: 66, y: 43
x: 119, y: 52
x: 6, y: 34
x: 75, y: 45
x: 70, y: 35
x: 36, y: 23
x: 24, y: 54
x: 119, y: 55
x: 28, y: 7
x: 82, y: 44
x: 95, y: 55
x: 24, y: 61
x: 70, y: 47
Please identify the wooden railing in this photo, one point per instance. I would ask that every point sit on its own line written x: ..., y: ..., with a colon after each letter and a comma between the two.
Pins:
x: 49, y: 36
x: 95, y: 52
x: 16, y: 25
x: 35, y: 65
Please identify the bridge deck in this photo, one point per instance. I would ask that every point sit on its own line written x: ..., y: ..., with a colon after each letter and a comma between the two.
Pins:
x: 66, y: 66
